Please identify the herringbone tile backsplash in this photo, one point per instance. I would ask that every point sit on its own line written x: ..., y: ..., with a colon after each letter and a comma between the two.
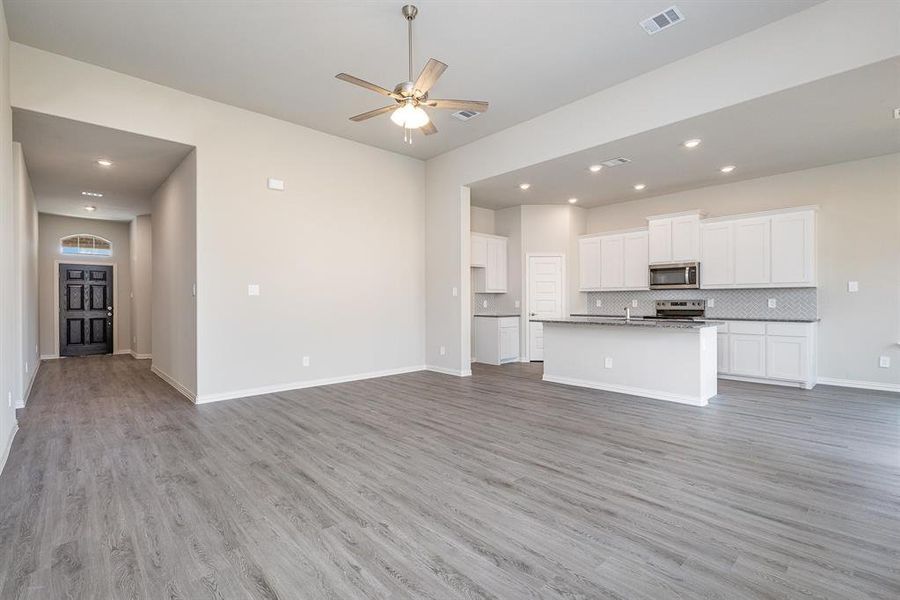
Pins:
x: 791, y: 303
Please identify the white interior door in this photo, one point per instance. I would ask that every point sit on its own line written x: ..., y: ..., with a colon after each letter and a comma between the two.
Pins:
x: 545, y: 298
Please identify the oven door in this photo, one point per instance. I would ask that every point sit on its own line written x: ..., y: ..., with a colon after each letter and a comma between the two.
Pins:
x: 674, y: 276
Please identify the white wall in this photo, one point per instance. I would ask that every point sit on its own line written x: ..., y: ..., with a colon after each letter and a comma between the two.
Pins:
x: 173, y: 264
x: 858, y: 227
x: 339, y: 255
x: 140, y: 237
x: 50, y: 229
x: 482, y: 220
x: 824, y: 40
x: 554, y: 228
x: 26, y: 219
x: 8, y: 266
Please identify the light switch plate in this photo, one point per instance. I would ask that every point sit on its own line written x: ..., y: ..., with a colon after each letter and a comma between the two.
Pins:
x: 305, y: 361
x: 455, y: 292
x: 852, y: 286
x: 884, y: 362
x: 443, y: 351
x: 599, y: 303
x: 484, y: 304
x: 634, y: 304
x: 711, y: 302
x: 607, y: 362
x: 773, y: 302
x: 253, y: 289
x: 275, y: 184
x: 518, y: 304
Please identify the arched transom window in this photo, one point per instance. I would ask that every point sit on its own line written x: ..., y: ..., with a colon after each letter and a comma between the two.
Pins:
x: 85, y: 243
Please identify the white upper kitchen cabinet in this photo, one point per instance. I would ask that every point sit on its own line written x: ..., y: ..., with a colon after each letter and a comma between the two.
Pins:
x: 491, y: 278
x: 717, y: 254
x: 478, y: 257
x: 636, y: 260
x: 793, y: 240
x: 589, y: 263
x: 674, y: 238
x: 612, y: 262
x: 752, y: 252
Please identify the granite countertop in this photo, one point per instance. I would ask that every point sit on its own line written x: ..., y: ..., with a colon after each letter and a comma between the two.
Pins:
x: 498, y: 315
x: 766, y: 320
x: 621, y: 321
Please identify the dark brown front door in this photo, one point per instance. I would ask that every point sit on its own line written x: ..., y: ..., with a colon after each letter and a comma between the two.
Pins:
x: 85, y: 310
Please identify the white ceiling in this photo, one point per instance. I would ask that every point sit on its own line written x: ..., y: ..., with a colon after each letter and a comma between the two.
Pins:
x: 837, y: 119
x: 280, y: 58
x: 61, y: 156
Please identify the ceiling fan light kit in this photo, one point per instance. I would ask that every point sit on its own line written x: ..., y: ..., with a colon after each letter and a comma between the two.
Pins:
x: 410, y: 96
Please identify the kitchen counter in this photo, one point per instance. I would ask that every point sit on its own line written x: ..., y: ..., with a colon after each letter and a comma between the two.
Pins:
x: 720, y: 319
x: 665, y: 360
x: 497, y: 315
x: 622, y: 322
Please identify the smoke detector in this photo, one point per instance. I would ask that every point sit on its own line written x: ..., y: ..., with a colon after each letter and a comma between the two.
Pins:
x: 465, y: 115
x: 663, y: 20
x: 615, y: 162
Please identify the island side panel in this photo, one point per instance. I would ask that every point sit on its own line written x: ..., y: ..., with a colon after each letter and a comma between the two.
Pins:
x: 664, y: 363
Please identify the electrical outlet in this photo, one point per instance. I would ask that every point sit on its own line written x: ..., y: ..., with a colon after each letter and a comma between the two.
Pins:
x: 599, y: 303
x: 711, y: 302
x: 484, y: 304
x: 773, y: 302
x: 634, y: 304
x: 275, y: 184
x: 884, y: 362
x: 194, y: 290
x: 607, y: 362
x: 852, y: 286
x: 518, y: 304
x: 253, y: 289
x: 305, y: 361
x: 443, y: 351
x: 455, y: 292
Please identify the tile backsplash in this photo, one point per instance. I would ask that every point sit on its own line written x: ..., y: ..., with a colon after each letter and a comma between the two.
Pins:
x: 791, y: 303
x: 479, y: 301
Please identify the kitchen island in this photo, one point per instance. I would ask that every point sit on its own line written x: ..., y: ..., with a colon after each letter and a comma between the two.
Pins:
x: 667, y: 360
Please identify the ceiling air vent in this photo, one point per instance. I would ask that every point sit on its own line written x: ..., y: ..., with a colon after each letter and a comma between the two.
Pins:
x: 666, y: 18
x: 465, y: 115
x: 615, y: 162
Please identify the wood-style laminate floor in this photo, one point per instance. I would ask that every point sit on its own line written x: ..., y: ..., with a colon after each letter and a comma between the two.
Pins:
x: 431, y: 486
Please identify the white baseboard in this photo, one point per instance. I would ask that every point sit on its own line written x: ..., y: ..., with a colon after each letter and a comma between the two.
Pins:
x: 296, y: 385
x: 6, y: 450
x: 24, y: 399
x: 171, y: 381
x: 49, y: 356
x: 125, y: 351
x: 139, y: 356
x: 863, y: 385
x: 447, y: 371
x: 765, y: 381
x: 627, y: 389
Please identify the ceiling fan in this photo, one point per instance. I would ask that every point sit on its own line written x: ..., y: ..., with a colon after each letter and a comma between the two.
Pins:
x: 410, y: 96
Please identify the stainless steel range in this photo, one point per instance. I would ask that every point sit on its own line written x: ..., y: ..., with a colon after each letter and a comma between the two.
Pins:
x: 680, y: 309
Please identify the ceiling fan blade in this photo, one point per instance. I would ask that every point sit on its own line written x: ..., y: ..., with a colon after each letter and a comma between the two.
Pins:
x: 475, y: 105
x: 428, y: 128
x: 374, y: 113
x: 429, y: 75
x: 368, y: 86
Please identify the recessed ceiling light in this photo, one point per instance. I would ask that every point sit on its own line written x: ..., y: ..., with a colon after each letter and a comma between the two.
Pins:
x: 639, y: 186
x: 595, y: 168
x: 727, y: 169
x: 524, y: 186
x: 692, y: 143
x: 90, y: 208
x: 104, y: 162
x: 92, y: 194
x: 573, y: 200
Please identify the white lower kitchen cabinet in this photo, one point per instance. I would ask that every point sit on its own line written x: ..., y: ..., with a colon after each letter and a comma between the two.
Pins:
x: 768, y: 352
x: 496, y: 339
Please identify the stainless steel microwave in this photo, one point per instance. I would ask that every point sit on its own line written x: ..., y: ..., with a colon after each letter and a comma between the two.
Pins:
x: 675, y: 276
